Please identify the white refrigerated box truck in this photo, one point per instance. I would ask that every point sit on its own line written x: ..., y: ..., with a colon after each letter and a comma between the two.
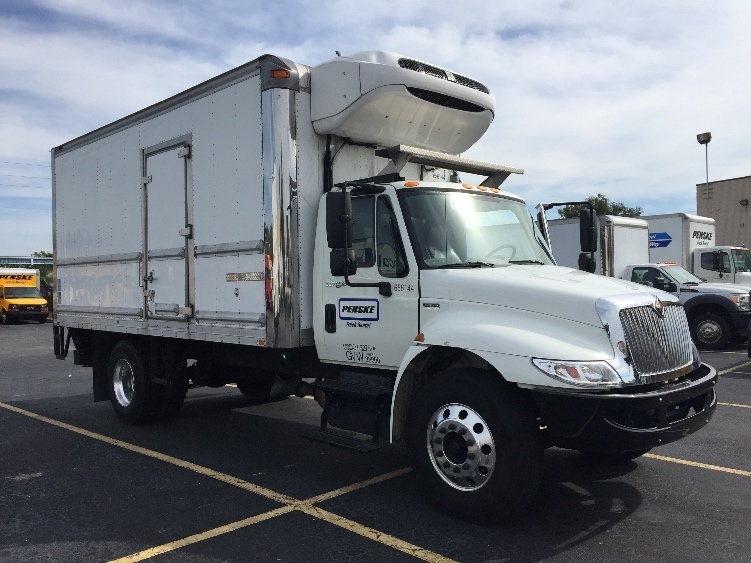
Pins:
x: 281, y: 223
x: 689, y: 241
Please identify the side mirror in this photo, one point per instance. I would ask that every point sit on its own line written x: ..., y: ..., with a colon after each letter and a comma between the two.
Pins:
x: 671, y: 287
x: 339, y: 219
x: 342, y: 262
x: 586, y: 263
x: 660, y: 283
x: 587, y: 231
x: 339, y: 233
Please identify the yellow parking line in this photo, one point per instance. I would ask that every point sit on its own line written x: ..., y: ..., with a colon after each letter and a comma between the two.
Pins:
x: 223, y: 477
x: 292, y: 504
x: 735, y: 405
x: 743, y: 365
x: 701, y: 465
x: 167, y: 547
x: 375, y: 535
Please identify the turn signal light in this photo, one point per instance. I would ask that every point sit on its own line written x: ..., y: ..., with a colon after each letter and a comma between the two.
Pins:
x: 420, y: 337
x: 411, y: 184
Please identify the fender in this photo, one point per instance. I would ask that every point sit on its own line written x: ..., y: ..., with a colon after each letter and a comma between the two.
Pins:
x: 710, y: 299
x: 506, y: 339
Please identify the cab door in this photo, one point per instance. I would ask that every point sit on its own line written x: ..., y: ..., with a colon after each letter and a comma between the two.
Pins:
x: 362, y: 326
x: 168, y: 232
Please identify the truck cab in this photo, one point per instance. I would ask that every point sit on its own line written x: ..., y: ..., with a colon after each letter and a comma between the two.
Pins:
x: 717, y: 312
x: 723, y: 264
x: 20, y: 298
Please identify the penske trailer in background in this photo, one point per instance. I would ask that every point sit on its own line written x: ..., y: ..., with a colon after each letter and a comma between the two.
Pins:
x: 20, y: 298
x: 689, y: 241
x: 297, y: 229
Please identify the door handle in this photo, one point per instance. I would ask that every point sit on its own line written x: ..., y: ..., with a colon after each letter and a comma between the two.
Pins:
x: 150, y: 277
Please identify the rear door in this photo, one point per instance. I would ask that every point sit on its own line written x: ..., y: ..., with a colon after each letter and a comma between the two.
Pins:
x: 168, y: 232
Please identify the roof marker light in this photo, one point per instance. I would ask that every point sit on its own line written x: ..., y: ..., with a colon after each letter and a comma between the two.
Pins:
x: 468, y: 186
x: 278, y: 73
x: 420, y: 337
x: 411, y: 184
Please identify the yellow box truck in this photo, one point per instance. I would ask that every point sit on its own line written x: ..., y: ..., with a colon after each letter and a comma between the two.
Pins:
x: 20, y: 298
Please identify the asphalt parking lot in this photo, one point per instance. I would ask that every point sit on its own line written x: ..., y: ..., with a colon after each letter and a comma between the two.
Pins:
x: 226, y: 481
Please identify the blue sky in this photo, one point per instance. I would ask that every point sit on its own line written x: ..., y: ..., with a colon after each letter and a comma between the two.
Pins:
x: 592, y: 96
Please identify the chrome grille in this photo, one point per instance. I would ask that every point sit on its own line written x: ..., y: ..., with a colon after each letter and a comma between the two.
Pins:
x: 657, y: 344
x: 417, y: 66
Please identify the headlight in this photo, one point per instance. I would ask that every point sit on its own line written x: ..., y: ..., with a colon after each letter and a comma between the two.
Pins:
x: 587, y: 374
x: 742, y: 300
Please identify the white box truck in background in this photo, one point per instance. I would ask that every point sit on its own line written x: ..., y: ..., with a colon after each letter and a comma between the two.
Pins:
x: 689, y: 241
x: 717, y: 313
x: 279, y: 223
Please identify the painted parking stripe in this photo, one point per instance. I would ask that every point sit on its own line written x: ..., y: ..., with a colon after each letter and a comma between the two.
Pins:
x: 733, y: 368
x: 291, y: 503
x: 700, y: 465
x: 735, y: 405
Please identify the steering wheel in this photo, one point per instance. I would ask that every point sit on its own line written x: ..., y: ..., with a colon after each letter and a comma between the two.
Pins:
x: 502, y: 247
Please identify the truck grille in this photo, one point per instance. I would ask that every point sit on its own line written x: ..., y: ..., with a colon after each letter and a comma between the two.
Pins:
x: 658, y: 345
x: 431, y: 70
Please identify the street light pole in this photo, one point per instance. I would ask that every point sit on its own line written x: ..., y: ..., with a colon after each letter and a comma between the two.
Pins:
x: 704, y: 139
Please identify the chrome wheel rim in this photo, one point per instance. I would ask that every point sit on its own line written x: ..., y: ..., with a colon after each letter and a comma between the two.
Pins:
x: 124, y: 382
x: 461, y: 447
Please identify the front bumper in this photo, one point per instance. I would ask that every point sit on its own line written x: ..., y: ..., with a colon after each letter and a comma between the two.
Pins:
x: 628, y: 419
x: 26, y: 315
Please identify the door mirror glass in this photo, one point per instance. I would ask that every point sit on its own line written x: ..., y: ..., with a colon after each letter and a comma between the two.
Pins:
x: 339, y: 219
x: 587, y: 231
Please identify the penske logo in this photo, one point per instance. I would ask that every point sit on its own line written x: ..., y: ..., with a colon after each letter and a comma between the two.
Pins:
x: 359, y: 309
x: 24, y: 280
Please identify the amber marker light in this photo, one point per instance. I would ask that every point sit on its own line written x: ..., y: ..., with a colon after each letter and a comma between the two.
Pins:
x: 482, y: 188
x: 495, y: 190
x: 279, y: 74
x: 411, y: 184
x: 468, y: 186
x: 420, y: 337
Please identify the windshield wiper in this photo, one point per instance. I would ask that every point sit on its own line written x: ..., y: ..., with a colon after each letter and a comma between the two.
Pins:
x: 525, y: 262
x: 468, y: 265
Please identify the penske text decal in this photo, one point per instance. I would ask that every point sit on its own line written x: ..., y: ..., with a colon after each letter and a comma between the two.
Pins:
x: 351, y: 309
x: 25, y: 280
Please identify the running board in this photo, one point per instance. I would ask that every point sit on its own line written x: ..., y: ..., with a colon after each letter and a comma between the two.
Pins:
x: 339, y: 441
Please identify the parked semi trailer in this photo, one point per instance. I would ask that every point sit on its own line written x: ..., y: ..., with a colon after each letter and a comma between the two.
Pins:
x: 302, y: 229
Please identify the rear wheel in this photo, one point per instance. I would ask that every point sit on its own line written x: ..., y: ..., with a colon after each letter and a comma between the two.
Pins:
x: 475, y: 445
x: 134, y: 398
x: 710, y: 331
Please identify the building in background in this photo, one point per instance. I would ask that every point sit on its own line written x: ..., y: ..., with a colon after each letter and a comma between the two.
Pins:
x: 727, y: 202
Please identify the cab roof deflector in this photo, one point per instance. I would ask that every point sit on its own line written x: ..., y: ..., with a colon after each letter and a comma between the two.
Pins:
x: 400, y: 155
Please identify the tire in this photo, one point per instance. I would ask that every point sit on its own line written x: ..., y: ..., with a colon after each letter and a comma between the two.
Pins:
x: 710, y: 331
x: 475, y: 445
x: 614, y: 457
x: 174, y: 392
x: 4, y: 317
x: 134, y: 398
x: 42, y: 321
x: 257, y: 391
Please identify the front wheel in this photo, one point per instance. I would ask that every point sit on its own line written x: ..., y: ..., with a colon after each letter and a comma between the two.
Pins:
x: 134, y: 398
x: 710, y: 331
x: 4, y: 317
x: 475, y: 445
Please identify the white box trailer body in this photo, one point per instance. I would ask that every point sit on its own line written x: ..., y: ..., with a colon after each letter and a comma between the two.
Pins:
x: 621, y: 241
x: 689, y: 241
x: 206, y: 239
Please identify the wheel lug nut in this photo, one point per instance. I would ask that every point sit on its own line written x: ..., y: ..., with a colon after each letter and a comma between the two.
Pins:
x: 446, y: 464
x: 455, y: 470
x: 470, y: 442
x: 438, y: 440
x: 462, y: 431
x: 452, y: 427
x: 465, y: 466
x: 470, y: 456
x: 442, y: 431
x: 439, y: 453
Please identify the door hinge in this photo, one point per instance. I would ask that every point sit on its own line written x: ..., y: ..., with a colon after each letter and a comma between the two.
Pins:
x: 145, y: 179
x: 186, y: 232
x: 149, y: 293
x: 184, y: 152
x: 187, y: 311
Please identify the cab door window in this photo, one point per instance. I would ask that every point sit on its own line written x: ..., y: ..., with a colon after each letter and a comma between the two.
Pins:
x: 363, y: 237
x: 646, y: 276
x: 391, y: 260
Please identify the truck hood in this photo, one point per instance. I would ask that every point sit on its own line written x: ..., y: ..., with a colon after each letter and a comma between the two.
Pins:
x: 719, y: 288
x: 548, y: 290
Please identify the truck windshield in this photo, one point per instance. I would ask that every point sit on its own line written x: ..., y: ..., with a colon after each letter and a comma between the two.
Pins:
x: 681, y: 275
x: 21, y: 292
x: 462, y: 229
x: 742, y: 259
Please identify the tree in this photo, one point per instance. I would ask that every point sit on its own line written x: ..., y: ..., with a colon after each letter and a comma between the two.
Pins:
x: 603, y: 206
x: 45, y: 272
